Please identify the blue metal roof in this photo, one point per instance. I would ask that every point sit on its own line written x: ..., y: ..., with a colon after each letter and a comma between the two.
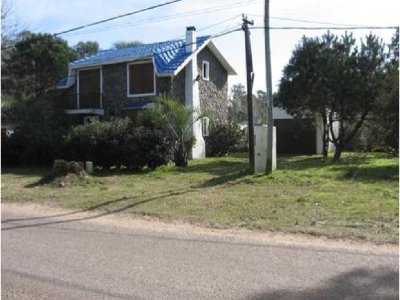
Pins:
x: 136, y: 105
x: 62, y: 81
x: 168, y: 56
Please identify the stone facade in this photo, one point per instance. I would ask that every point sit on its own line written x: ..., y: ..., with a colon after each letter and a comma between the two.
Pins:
x: 213, y: 92
x: 115, y: 88
x: 178, y: 87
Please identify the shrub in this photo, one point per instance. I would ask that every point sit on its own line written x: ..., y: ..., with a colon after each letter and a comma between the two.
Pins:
x: 225, y: 137
x: 63, y: 168
x: 40, y: 126
x: 12, y: 147
x: 118, y: 143
x: 171, y: 115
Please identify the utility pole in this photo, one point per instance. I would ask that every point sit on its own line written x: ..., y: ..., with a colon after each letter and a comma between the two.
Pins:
x: 270, y: 105
x: 250, y: 79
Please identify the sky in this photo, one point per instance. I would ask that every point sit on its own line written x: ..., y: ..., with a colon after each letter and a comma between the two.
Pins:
x: 209, y: 17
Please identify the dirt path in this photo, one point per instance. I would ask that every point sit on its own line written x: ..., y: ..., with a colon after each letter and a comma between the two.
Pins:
x: 40, y: 214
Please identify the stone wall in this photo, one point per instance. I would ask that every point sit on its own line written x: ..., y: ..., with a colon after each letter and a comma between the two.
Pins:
x: 114, y: 88
x: 178, y: 86
x: 213, y: 92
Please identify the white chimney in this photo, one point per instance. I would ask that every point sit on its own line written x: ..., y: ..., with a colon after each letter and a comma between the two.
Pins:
x: 192, y: 98
x: 190, y: 39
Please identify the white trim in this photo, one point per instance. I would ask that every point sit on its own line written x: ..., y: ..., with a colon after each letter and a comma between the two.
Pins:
x: 71, y: 77
x: 190, y: 57
x: 95, y: 111
x: 77, y: 90
x: 215, y: 51
x: 221, y: 58
x: 127, y: 79
x: 205, y: 63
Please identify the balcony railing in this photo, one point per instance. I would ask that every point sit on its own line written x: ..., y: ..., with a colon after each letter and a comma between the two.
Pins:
x: 84, y: 101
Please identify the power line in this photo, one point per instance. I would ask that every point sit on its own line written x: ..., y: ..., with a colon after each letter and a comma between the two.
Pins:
x: 327, y: 27
x: 303, y: 20
x: 174, y: 16
x: 118, y: 17
x: 106, y: 20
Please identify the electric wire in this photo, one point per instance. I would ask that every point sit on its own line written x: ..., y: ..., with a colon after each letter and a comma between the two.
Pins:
x: 207, y: 10
x: 118, y: 17
x: 326, y: 27
x: 302, y: 20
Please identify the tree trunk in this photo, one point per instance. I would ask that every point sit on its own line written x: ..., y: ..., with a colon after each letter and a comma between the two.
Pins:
x: 325, y: 136
x: 181, y: 157
x: 338, y: 152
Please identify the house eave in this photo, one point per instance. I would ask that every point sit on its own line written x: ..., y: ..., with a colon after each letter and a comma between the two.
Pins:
x: 86, y: 111
x: 209, y: 43
x: 221, y: 58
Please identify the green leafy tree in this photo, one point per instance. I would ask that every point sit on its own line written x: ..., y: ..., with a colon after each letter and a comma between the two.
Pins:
x: 35, y: 64
x: 335, y: 79
x: 125, y: 44
x: 83, y: 49
x: 238, y: 105
x: 386, y: 116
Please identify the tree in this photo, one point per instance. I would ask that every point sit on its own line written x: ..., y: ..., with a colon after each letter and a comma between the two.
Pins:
x: 335, y: 79
x: 35, y: 64
x: 8, y: 26
x: 386, y: 115
x: 238, y: 105
x: 125, y: 44
x: 260, y: 107
x: 83, y: 49
x: 173, y: 116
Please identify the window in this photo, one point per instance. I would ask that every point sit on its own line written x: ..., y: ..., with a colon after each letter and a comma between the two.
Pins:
x: 205, y: 73
x: 141, y: 79
x: 205, y: 124
x: 89, y: 88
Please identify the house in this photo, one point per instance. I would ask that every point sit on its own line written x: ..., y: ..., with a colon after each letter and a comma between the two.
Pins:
x: 117, y: 82
x: 294, y: 136
x: 298, y: 136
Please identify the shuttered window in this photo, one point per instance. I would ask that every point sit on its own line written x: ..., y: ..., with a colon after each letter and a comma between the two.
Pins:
x: 141, y: 79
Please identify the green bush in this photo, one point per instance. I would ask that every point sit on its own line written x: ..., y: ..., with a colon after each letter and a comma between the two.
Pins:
x: 224, y: 138
x: 118, y: 143
x: 12, y: 147
x: 40, y: 126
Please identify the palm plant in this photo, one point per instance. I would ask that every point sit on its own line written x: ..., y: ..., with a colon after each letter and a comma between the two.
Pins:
x: 176, y: 117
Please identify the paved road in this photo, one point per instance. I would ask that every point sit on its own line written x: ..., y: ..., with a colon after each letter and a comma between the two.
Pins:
x: 65, y: 257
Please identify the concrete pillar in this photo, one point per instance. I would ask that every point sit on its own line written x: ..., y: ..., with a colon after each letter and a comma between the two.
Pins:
x: 260, y: 149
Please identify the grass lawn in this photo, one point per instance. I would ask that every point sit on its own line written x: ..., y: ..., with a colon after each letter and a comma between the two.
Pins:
x: 356, y: 198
